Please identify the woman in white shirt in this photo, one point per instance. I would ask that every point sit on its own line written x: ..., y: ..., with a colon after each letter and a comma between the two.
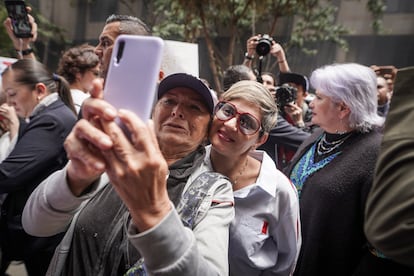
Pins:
x: 265, y: 234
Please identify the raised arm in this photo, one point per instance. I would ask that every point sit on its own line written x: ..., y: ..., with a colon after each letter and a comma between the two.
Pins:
x: 22, y: 45
x: 276, y: 51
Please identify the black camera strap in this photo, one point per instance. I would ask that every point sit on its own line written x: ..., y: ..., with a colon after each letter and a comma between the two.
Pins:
x: 259, y: 71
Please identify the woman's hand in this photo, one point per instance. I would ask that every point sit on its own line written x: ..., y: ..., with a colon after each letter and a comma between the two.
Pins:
x: 85, y: 144
x: 138, y: 170
x: 9, y: 120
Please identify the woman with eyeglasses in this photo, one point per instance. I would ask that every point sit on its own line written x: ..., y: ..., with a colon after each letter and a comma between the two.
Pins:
x: 264, y: 236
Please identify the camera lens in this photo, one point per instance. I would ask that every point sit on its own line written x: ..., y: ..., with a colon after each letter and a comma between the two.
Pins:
x: 264, y: 45
x: 285, y: 94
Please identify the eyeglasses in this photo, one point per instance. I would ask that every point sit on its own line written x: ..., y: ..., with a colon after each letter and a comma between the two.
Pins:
x: 247, y: 123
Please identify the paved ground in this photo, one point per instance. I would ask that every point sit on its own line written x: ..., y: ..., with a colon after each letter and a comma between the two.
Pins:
x: 17, y: 269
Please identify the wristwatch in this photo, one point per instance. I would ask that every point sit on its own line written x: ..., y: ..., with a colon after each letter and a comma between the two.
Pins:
x: 26, y: 52
x: 246, y: 56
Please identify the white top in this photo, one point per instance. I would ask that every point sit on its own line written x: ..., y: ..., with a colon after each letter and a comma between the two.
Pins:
x: 265, y: 235
x: 6, y: 146
x: 78, y: 96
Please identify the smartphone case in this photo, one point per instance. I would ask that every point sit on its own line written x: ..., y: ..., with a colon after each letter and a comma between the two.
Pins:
x: 133, y: 73
x: 16, y: 10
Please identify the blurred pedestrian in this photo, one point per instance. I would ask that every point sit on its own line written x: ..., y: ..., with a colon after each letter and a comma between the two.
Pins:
x: 79, y: 65
x: 390, y: 205
x: 333, y: 172
x: 384, y: 96
x: 45, y: 103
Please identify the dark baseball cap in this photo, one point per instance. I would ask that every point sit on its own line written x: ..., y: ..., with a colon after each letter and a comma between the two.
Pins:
x: 186, y: 80
x: 294, y: 78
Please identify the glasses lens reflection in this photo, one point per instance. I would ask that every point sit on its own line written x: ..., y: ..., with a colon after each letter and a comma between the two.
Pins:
x: 247, y: 123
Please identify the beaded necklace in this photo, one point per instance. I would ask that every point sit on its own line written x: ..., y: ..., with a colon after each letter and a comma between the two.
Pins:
x: 325, y: 146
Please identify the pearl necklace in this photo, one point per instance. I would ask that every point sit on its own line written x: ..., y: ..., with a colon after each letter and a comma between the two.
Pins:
x: 325, y: 146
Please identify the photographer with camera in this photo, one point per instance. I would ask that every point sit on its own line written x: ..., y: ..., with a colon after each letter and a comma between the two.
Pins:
x: 285, y: 97
x: 300, y: 104
x: 286, y: 135
x: 291, y: 114
x: 291, y: 100
x: 283, y: 134
x: 262, y: 45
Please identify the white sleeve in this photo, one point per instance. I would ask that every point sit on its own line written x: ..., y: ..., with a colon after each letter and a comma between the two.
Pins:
x: 6, y: 145
x: 51, y: 206
x: 287, y: 234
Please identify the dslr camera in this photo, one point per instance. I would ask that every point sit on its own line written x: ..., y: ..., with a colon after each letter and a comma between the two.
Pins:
x: 285, y: 95
x: 264, y: 45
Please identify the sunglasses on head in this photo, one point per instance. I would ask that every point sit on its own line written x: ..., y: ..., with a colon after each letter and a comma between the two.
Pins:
x: 246, y: 122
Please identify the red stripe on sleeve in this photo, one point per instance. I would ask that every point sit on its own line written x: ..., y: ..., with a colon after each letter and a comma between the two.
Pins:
x: 264, y: 227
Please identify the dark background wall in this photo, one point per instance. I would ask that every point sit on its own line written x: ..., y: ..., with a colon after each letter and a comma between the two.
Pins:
x: 84, y: 22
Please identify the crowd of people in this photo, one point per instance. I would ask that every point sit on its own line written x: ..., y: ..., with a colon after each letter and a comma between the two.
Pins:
x: 261, y: 178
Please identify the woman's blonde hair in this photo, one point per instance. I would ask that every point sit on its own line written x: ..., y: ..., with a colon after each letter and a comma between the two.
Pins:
x: 256, y: 93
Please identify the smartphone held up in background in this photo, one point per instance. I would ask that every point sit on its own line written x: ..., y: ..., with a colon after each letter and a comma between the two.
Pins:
x: 17, y: 12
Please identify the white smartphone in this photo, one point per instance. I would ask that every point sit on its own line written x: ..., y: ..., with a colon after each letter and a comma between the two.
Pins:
x: 133, y: 73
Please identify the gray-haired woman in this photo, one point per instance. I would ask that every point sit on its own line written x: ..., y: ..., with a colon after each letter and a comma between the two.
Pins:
x: 333, y: 172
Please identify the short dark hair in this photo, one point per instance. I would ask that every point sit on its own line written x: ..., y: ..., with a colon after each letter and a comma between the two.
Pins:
x: 235, y: 73
x: 129, y: 24
x: 295, y: 78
